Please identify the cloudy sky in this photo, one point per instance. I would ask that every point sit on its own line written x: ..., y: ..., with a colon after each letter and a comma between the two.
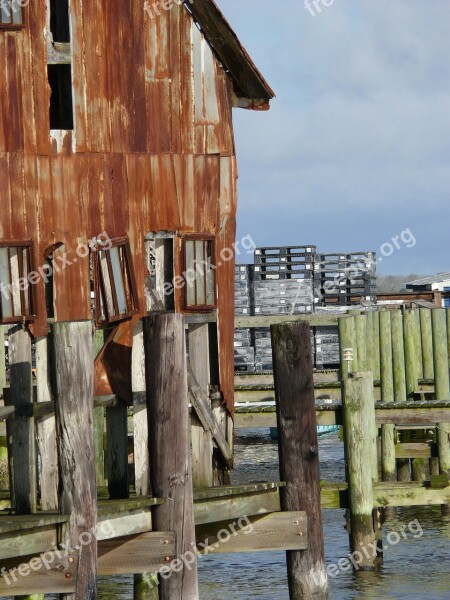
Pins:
x: 356, y: 147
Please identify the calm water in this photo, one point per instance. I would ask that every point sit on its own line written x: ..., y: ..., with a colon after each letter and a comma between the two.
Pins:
x: 414, y: 568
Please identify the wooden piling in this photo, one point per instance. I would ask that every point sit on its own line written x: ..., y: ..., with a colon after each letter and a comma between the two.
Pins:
x: 46, y: 431
x: 347, y: 340
x: 442, y: 384
x: 170, y: 456
x: 418, y: 342
x: 360, y: 445
x: 20, y: 429
x: 145, y: 585
x: 387, y: 395
x: 361, y: 342
x: 74, y: 391
x: 399, y: 373
x: 411, y: 355
x: 376, y: 345
x: 299, y: 456
x: 427, y: 343
x: 4, y: 474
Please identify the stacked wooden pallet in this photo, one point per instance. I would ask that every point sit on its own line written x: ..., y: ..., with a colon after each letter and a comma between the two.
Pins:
x: 244, y: 351
x: 287, y: 262
x: 345, y: 278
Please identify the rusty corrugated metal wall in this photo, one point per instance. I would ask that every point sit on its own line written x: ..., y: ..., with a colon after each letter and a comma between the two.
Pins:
x: 152, y: 147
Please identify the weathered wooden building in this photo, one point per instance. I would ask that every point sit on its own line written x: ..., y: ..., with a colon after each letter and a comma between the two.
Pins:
x: 116, y: 125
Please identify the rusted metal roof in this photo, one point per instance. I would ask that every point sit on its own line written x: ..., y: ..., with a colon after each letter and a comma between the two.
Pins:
x: 249, y: 81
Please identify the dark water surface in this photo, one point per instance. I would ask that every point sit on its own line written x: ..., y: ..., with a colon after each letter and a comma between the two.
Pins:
x: 415, y: 568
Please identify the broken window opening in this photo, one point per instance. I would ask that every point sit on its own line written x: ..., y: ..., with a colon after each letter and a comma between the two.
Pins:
x: 198, y: 273
x: 61, y: 102
x: 160, y: 263
x: 60, y: 21
x: 114, y: 284
x: 16, y: 293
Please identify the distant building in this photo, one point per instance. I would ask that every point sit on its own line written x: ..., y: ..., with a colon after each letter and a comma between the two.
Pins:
x: 439, y: 283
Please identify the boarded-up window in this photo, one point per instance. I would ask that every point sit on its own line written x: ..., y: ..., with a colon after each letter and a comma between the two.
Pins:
x: 16, y: 293
x: 114, y: 282
x: 10, y: 14
x: 198, y: 273
x: 160, y: 264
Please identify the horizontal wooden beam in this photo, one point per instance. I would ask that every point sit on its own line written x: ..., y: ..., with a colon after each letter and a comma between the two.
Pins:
x: 414, y: 450
x: 267, y: 321
x: 272, y: 532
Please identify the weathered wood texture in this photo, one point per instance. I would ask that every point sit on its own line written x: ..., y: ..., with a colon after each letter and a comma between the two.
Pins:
x: 73, y: 368
x: 117, y: 450
x: 360, y: 442
x: 22, y: 451
x: 442, y: 383
x: 299, y: 454
x: 170, y: 457
x: 46, y: 431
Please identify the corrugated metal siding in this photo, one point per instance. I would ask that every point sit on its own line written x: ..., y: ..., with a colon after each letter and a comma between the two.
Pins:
x: 154, y: 146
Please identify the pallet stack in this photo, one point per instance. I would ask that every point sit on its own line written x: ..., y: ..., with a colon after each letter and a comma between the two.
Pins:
x: 244, y: 351
x: 345, y: 279
x: 287, y: 262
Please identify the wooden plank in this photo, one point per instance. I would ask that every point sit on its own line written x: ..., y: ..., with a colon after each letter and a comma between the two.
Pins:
x: 201, y: 439
x: 21, y: 429
x: 142, y: 553
x: 272, y: 532
x: 50, y: 574
x: 258, y: 322
x: 46, y: 432
x: 6, y: 411
x: 298, y: 454
x: 412, y: 416
x: 413, y: 450
x: 207, y: 417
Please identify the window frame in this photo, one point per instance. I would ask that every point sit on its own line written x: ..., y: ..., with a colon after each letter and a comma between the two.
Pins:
x: 28, y: 318
x: 15, y: 26
x: 198, y: 237
x: 130, y: 290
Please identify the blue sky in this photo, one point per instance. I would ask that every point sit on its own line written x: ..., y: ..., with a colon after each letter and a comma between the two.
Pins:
x: 356, y: 147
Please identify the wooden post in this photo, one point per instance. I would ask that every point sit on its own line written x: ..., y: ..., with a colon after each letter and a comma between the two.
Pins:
x: 117, y: 450
x: 299, y: 454
x: 347, y: 339
x: 427, y: 343
x: 387, y: 395
x: 46, y: 431
x: 99, y: 423
x: 376, y: 344
x: 370, y: 343
x: 399, y: 372
x: 21, y: 428
x: 145, y: 585
x: 170, y: 456
x: 202, y: 442
x: 411, y: 357
x: 442, y: 384
x: 360, y: 447
x: 4, y: 476
x: 74, y: 391
x: 361, y: 342
x: 418, y: 342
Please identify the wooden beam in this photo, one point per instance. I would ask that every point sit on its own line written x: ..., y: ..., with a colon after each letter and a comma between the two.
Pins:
x: 272, y: 532
x: 258, y: 322
x: 207, y: 417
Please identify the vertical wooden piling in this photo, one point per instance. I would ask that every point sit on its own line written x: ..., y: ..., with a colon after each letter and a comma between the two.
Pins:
x: 347, y: 340
x: 21, y: 427
x: 427, y: 343
x: 99, y: 423
x: 170, y: 456
x: 387, y: 395
x: 145, y: 585
x: 299, y: 456
x: 411, y: 355
x: 202, y: 443
x: 46, y: 431
x: 399, y: 372
x: 360, y: 445
x: 418, y: 342
x: 442, y: 384
x: 361, y: 342
x: 74, y: 390
x: 4, y: 475
x: 376, y: 344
